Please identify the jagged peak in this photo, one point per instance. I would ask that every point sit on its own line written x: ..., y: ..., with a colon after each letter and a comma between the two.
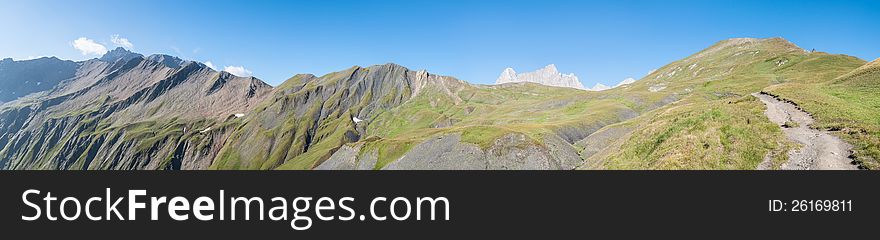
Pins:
x: 120, y: 49
x: 160, y: 56
x: 203, y: 65
x: 548, y: 75
x: 599, y: 87
x: 387, y: 65
x: 225, y: 75
x: 167, y: 60
x: 119, y: 53
x: 551, y: 68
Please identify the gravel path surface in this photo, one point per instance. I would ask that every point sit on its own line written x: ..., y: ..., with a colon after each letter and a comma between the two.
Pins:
x: 819, y: 150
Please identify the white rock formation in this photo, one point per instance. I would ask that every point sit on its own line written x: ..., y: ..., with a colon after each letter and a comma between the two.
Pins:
x: 625, y: 82
x: 602, y: 87
x: 547, y: 76
x: 599, y: 87
x: 657, y: 87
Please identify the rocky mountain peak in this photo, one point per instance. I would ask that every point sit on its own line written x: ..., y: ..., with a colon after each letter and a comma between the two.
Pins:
x: 626, y: 81
x: 119, y: 53
x: 167, y: 60
x: 548, y: 75
x: 550, y: 69
x: 507, y: 76
x: 599, y: 87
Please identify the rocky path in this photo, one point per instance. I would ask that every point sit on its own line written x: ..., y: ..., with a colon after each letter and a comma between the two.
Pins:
x: 818, y: 150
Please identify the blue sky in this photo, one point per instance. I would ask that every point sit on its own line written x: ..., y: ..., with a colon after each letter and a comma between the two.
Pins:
x: 602, y: 42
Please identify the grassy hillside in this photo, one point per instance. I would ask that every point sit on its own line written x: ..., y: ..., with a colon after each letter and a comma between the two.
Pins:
x: 483, y: 114
x: 718, y: 125
x: 848, y: 104
x: 721, y: 134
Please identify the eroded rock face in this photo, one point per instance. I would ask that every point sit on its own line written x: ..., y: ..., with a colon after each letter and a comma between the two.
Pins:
x: 548, y: 75
x: 448, y: 152
x: 349, y: 157
x: 126, y: 112
x: 599, y: 141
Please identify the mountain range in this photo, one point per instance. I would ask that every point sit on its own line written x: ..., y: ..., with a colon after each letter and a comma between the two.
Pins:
x: 128, y: 111
x: 550, y: 76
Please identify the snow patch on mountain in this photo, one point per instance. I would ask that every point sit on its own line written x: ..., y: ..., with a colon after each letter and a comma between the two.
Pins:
x: 599, y: 87
x: 603, y: 87
x: 626, y: 81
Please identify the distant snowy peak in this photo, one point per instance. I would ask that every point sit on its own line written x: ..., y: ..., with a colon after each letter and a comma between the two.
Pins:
x: 602, y: 87
x: 548, y: 75
x: 507, y: 76
x: 625, y: 82
x: 551, y: 76
x: 599, y: 87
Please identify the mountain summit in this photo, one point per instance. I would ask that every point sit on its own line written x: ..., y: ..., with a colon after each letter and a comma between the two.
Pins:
x: 119, y: 53
x: 548, y: 75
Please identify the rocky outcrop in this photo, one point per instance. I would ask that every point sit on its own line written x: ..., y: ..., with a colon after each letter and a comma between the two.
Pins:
x: 547, y: 76
x: 131, y: 113
x: 448, y: 152
x: 349, y: 157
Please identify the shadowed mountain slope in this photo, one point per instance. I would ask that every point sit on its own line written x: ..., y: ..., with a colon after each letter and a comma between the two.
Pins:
x: 131, y: 113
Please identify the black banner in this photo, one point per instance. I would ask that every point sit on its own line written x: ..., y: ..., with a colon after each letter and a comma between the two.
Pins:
x: 497, y: 204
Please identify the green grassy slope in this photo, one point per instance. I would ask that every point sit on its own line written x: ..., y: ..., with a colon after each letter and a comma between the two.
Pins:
x: 307, y: 120
x: 483, y: 114
x: 309, y: 117
x: 718, y: 125
x: 695, y: 113
x: 848, y: 104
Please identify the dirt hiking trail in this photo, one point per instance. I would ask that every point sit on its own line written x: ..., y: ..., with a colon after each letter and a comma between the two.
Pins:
x: 819, y: 150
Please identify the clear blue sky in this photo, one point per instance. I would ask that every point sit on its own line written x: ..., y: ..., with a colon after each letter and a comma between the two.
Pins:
x: 472, y: 40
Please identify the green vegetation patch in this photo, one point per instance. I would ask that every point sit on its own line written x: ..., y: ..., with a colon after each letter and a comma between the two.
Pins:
x: 720, y: 134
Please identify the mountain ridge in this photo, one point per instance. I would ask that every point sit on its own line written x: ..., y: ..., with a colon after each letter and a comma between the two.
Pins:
x: 124, y: 115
